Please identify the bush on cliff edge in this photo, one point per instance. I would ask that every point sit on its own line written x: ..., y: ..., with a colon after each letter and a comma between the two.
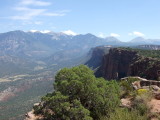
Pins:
x: 79, y: 95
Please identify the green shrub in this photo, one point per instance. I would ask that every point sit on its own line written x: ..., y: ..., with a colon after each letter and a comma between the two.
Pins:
x: 140, y: 102
x: 127, y: 87
x: 37, y: 109
x: 80, y: 95
x: 125, y: 114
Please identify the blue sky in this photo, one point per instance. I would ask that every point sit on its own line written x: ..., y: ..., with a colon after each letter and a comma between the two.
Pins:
x: 124, y: 19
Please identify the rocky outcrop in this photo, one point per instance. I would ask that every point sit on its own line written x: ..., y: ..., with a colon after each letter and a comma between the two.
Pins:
x: 121, y: 62
x: 143, y: 83
x: 145, y: 67
x: 97, y: 55
x: 32, y: 116
x: 116, y: 64
x: 150, y: 98
x: 157, y: 96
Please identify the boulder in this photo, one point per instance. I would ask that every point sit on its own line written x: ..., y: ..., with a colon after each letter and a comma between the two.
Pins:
x: 157, y: 96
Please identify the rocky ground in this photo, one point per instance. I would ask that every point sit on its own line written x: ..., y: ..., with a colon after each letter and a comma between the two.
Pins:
x: 153, y: 102
x: 31, y: 116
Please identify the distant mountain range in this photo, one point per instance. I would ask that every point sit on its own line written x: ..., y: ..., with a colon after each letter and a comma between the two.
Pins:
x: 142, y: 41
x: 27, y: 50
x: 37, y: 44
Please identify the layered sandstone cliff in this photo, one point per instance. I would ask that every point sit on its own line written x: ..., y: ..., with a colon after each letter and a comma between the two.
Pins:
x: 121, y: 62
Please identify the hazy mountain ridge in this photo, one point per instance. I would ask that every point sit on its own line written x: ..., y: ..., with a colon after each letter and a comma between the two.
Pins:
x: 51, y: 47
x: 37, y: 44
x: 149, y: 47
x: 29, y: 47
x: 143, y: 41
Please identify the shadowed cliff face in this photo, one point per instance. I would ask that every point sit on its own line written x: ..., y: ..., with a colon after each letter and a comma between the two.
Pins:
x: 145, y: 67
x: 116, y: 64
x: 96, y: 56
x: 120, y: 63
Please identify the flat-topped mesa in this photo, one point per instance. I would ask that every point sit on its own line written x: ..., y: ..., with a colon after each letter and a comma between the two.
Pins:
x: 122, y: 62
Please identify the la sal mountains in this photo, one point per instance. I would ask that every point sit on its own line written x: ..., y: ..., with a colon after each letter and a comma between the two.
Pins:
x: 142, y: 41
x: 23, y: 51
x: 39, y: 44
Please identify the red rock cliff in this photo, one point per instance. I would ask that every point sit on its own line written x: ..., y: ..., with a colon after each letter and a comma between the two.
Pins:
x: 122, y: 62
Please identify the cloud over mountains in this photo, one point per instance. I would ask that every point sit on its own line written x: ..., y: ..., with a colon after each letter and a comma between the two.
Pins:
x: 27, y: 10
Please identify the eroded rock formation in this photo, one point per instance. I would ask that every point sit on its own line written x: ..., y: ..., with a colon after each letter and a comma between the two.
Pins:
x: 121, y: 62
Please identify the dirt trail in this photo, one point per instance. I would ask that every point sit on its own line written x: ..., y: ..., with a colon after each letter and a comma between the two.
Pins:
x: 155, y: 106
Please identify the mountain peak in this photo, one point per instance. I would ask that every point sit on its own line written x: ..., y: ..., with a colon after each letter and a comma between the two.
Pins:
x: 89, y: 34
x: 111, y: 39
x: 138, y: 40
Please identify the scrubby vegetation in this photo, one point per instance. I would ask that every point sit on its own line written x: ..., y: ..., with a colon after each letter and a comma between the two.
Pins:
x: 79, y: 95
x: 144, y: 52
x: 126, y: 86
x: 126, y: 114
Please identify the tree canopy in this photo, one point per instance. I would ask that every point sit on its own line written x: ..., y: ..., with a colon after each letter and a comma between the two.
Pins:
x: 79, y: 95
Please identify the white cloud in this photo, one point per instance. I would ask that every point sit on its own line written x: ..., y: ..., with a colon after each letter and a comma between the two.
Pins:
x: 19, y: 8
x: 45, y: 31
x: 42, y: 31
x: 31, y: 22
x: 114, y: 35
x: 26, y: 11
x: 54, y: 14
x: 57, y: 13
x: 130, y: 34
x: 69, y: 32
x: 101, y: 35
x: 34, y: 3
x: 136, y: 33
x: 33, y: 31
x: 38, y: 22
